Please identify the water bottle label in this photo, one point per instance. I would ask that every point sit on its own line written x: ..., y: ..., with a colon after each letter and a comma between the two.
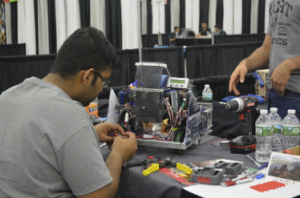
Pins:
x: 296, y: 131
x: 263, y: 131
x: 277, y: 128
x: 291, y: 131
x: 207, y: 96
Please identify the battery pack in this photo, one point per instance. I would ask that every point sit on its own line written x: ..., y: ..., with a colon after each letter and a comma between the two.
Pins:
x: 243, y: 145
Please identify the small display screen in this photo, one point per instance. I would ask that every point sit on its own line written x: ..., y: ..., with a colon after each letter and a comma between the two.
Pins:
x: 178, y: 81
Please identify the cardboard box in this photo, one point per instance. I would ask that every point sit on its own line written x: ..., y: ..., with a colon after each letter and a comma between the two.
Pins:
x: 295, y: 150
x: 262, y: 91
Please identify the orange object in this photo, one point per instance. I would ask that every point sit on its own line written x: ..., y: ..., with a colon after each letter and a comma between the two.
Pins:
x: 151, y: 157
x: 92, y: 109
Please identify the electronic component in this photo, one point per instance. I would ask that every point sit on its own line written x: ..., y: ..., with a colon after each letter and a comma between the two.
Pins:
x: 178, y: 83
x: 208, y: 175
x: 243, y: 145
x: 224, y: 143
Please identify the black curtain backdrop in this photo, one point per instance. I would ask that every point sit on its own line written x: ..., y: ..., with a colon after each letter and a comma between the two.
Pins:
x: 246, y: 16
x: 85, y: 11
x: 52, y: 26
x: 168, y: 17
x: 216, y: 60
x: 36, y: 26
x: 149, y: 17
x: 173, y: 57
x: 15, y: 69
x: 113, y: 23
x: 182, y: 14
x: 14, y: 22
x: 238, y: 38
x: 261, y: 16
x: 149, y: 40
x: 219, y: 85
x: 13, y: 49
x: 126, y: 74
x: 220, y: 11
x: 204, y: 11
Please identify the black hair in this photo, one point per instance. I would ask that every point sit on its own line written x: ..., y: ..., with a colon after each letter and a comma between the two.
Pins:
x: 176, y: 27
x: 218, y: 26
x: 86, y: 48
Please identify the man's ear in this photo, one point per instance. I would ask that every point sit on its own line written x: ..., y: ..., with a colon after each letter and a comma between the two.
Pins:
x: 88, y: 76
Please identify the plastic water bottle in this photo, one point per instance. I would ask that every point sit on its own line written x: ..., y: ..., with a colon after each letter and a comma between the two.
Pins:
x: 290, y: 130
x: 207, y: 93
x: 263, y: 129
x: 176, y: 34
x: 276, y: 129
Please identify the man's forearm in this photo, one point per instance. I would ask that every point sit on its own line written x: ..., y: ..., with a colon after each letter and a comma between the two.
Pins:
x: 114, y: 164
x: 292, y: 64
x: 260, y: 57
x: 173, y: 39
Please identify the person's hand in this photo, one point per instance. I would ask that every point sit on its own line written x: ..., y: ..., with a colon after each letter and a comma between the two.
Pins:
x: 103, y: 130
x: 125, y: 147
x: 237, y: 76
x: 280, y: 77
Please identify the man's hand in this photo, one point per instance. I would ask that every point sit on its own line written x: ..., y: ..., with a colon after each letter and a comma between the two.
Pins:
x: 280, y: 77
x: 103, y: 130
x: 125, y: 147
x: 238, y: 76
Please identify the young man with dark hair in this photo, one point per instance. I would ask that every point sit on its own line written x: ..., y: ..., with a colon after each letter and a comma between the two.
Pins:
x: 49, y: 147
x: 204, y: 31
x: 173, y: 36
x: 218, y: 29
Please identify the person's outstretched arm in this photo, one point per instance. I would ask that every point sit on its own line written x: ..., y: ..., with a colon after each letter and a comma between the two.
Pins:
x: 258, y: 59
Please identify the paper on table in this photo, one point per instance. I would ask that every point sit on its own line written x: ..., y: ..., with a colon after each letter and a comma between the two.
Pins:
x: 284, y: 168
x: 243, y: 190
x: 112, y: 115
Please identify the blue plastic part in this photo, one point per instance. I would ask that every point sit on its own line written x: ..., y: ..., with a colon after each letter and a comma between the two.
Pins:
x: 264, y: 166
x: 258, y: 79
x: 123, y: 96
x: 164, y: 80
x: 260, y: 176
x: 260, y: 99
x: 228, y: 98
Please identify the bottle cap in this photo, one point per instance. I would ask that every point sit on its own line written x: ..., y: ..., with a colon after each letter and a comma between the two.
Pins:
x: 206, y: 86
x: 291, y: 111
x: 274, y: 109
x: 263, y: 112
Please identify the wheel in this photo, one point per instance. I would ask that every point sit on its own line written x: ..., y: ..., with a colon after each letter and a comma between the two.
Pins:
x: 179, y: 138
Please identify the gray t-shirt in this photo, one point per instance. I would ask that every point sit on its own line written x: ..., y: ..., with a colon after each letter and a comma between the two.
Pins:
x: 48, y: 146
x: 284, y: 27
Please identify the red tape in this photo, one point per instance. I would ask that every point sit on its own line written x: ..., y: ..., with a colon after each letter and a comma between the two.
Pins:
x: 267, y: 186
x: 173, y: 175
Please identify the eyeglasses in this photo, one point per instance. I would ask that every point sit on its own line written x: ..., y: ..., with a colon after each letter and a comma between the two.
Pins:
x: 105, y: 81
